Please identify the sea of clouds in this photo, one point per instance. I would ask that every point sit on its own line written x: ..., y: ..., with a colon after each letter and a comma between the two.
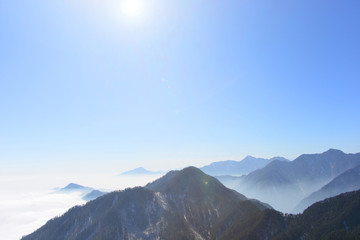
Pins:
x: 28, y: 202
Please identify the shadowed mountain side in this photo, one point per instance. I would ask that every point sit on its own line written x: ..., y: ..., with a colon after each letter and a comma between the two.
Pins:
x: 284, y: 184
x: 258, y: 226
x: 345, y: 182
x: 131, y: 214
x: 237, y: 168
x: 185, y: 204
x: 333, y: 218
x: 201, y: 198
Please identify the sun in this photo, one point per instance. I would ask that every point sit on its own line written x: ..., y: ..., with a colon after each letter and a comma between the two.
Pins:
x: 133, y: 9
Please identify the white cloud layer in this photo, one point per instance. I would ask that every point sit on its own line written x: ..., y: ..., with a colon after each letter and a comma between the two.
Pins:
x: 21, y: 215
x: 27, y: 203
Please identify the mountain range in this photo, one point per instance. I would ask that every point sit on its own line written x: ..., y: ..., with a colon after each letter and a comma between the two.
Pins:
x: 237, y: 168
x: 220, y: 168
x: 283, y: 184
x: 186, y: 204
x: 346, y: 182
x: 189, y: 204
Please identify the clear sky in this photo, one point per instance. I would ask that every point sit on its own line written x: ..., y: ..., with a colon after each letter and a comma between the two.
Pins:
x: 169, y: 83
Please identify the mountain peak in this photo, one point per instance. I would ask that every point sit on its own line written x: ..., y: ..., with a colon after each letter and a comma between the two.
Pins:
x: 334, y: 151
x: 191, y: 170
x: 73, y: 186
x: 249, y: 157
x: 191, y: 181
x: 175, y: 179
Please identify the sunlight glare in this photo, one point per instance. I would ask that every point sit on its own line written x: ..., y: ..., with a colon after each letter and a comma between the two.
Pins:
x: 133, y: 9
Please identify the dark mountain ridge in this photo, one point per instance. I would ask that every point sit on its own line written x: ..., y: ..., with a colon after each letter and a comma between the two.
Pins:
x: 186, y: 204
x: 331, y: 219
x: 140, y: 213
x: 189, y: 204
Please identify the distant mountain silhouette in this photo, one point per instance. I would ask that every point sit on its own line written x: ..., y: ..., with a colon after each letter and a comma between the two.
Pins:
x: 93, y: 195
x: 186, y: 204
x: 237, y: 168
x: 284, y: 184
x: 140, y: 171
x: 73, y: 187
x: 345, y: 182
x: 87, y: 193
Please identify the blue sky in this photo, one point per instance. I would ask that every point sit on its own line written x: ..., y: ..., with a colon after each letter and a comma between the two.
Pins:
x: 186, y: 83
